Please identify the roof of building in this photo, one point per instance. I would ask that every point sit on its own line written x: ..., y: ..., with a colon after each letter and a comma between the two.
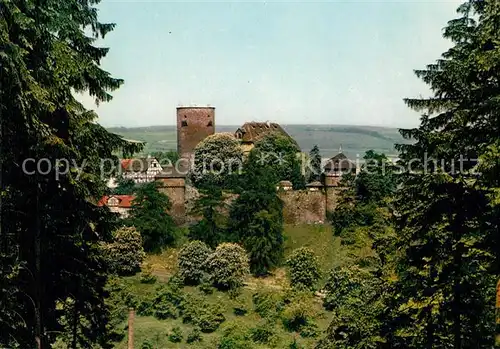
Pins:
x: 339, y: 162
x: 137, y: 165
x: 285, y: 184
x: 253, y: 131
x: 124, y: 201
x: 314, y: 184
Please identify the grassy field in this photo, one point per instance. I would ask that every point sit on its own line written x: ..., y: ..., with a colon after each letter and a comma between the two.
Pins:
x: 317, y: 237
x: 355, y: 140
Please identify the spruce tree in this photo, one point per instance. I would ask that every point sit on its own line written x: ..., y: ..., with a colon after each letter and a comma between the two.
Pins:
x: 256, y: 217
x: 50, y: 227
x: 448, y: 218
x: 315, y: 164
x: 211, y: 229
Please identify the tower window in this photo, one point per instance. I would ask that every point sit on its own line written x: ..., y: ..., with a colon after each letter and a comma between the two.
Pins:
x: 184, y: 123
x: 209, y: 123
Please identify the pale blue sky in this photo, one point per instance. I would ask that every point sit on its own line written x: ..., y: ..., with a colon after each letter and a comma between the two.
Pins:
x: 322, y: 62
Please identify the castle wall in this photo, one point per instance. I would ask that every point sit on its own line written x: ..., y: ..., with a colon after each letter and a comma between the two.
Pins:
x: 332, y: 196
x: 193, y: 125
x: 303, y: 206
x: 175, y: 189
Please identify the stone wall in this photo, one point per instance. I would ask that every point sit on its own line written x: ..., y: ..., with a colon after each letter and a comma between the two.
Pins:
x: 332, y: 197
x: 303, y: 206
x: 299, y: 206
x: 175, y: 188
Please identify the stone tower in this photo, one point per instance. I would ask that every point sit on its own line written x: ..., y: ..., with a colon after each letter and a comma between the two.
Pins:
x: 193, y: 125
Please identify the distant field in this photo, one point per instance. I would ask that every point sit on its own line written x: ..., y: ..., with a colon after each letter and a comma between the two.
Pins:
x: 354, y: 140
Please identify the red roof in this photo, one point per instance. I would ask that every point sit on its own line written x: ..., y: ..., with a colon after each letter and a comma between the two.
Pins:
x: 125, y: 163
x: 124, y: 201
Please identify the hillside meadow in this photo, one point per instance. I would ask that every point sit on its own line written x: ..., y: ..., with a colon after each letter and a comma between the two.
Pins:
x: 150, y: 332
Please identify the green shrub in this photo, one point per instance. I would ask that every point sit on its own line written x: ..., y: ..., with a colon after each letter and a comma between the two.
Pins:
x: 144, y: 306
x: 263, y: 332
x: 125, y: 254
x: 310, y: 330
x: 303, y: 268
x: 228, y: 266
x: 191, y: 262
x: 164, y: 311
x: 194, y: 336
x: 295, y: 345
x: 267, y: 304
x: 190, y: 308
x: 239, y: 307
x: 166, y: 301
x: 118, y: 309
x: 206, y: 316
x: 147, y: 276
x: 147, y: 345
x: 235, y: 336
x: 210, y: 319
x: 176, y: 335
x: 175, y: 282
x: 234, y: 293
x: 206, y: 287
x: 298, y: 312
x: 345, y: 284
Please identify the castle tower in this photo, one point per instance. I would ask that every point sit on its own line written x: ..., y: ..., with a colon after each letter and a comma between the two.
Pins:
x: 193, y: 125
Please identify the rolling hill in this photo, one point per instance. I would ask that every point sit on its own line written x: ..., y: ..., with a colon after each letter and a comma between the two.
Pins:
x: 354, y: 140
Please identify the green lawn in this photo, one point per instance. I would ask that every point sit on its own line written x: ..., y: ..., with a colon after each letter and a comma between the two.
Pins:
x: 320, y: 239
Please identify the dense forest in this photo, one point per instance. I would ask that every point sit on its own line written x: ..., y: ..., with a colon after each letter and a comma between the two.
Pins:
x: 416, y: 250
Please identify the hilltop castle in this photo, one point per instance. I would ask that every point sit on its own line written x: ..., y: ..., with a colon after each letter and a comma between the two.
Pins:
x: 194, y: 124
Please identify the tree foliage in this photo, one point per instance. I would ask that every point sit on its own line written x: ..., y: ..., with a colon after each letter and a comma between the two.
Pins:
x: 366, y: 202
x: 358, y: 301
x: 256, y: 218
x: 315, y: 164
x: 448, y: 218
x: 304, y: 269
x: 125, y: 186
x: 280, y: 155
x: 125, y: 253
x: 211, y: 229
x: 217, y: 159
x: 149, y: 216
x: 227, y: 266
x: 166, y: 158
x: 191, y: 261
x: 50, y: 228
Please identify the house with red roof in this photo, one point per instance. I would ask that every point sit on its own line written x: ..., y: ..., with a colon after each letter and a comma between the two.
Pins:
x: 120, y: 204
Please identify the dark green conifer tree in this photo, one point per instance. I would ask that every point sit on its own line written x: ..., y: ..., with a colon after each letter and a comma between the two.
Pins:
x: 211, y: 229
x: 256, y: 217
x: 150, y: 217
x: 448, y: 219
x: 50, y: 226
x: 315, y: 164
